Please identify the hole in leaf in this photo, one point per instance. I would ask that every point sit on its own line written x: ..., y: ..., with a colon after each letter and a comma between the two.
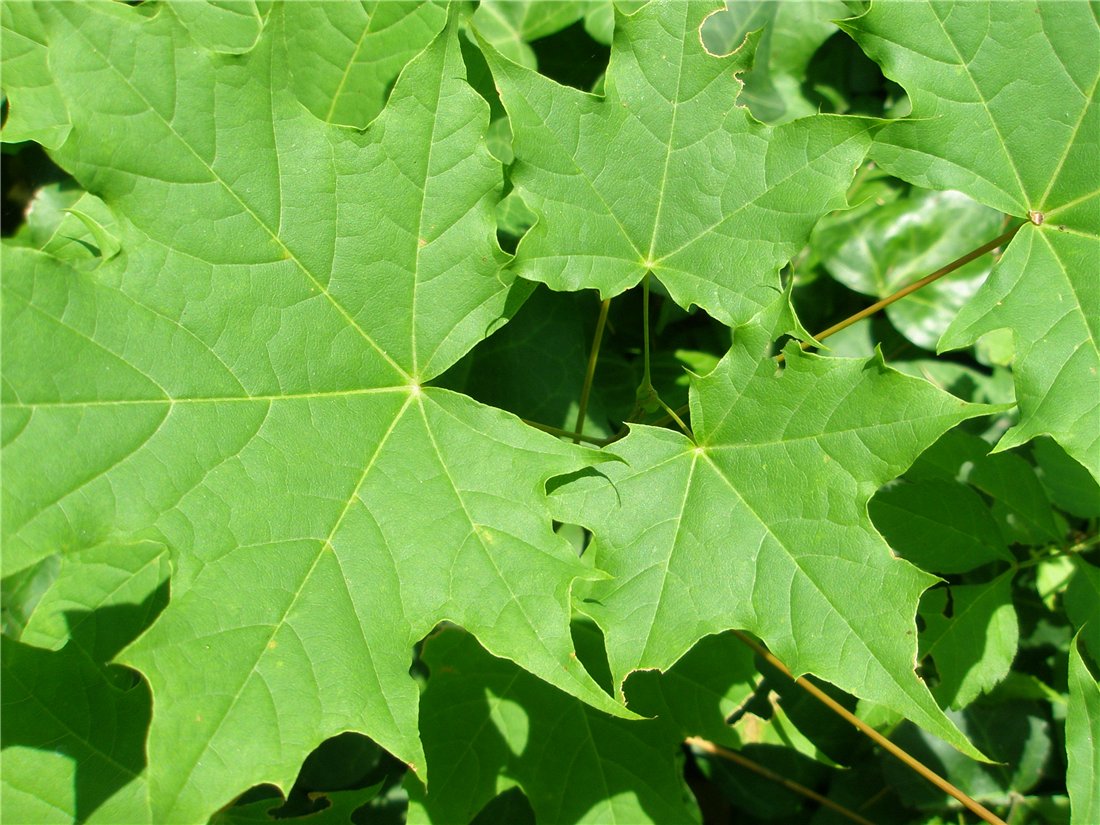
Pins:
x: 24, y: 169
x: 571, y: 57
x: 588, y: 641
x: 842, y: 79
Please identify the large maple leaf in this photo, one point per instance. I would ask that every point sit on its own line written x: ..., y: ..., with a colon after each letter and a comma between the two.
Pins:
x: 761, y: 523
x: 665, y: 174
x: 1004, y: 109
x: 252, y: 397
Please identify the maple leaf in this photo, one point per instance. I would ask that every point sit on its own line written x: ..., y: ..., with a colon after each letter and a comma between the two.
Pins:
x: 253, y: 398
x: 1004, y: 109
x: 761, y: 523
x: 665, y: 174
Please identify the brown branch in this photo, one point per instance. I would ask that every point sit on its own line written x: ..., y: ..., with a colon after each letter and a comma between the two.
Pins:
x: 790, y: 784
x: 558, y: 431
x: 874, y: 735
x: 911, y: 288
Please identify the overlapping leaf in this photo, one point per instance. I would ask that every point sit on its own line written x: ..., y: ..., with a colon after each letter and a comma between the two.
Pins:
x: 665, y: 174
x: 1004, y: 109
x: 37, y: 110
x: 243, y: 384
x: 762, y: 524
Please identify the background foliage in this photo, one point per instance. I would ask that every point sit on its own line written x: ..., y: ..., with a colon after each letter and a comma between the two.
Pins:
x: 298, y: 301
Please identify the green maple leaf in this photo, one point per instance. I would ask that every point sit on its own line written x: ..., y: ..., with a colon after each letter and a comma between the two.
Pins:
x: 1004, y: 109
x: 665, y: 174
x: 762, y: 524
x: 244, y: 383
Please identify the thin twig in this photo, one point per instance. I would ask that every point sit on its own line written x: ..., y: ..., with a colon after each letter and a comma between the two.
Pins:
x: 590, y: 371
x: 744, y: 762
x: 558, y: 431
x: 911, y: 288
x: 874, y: 735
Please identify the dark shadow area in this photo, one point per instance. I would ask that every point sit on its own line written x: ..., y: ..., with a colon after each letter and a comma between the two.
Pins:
x: 1014, y: 733
x: 24, y: 169
x: 511, y: 807
x: 841, y: 79
x: 474, y: 700
x: 72, y: 702
x: 571, y: 57
x: 534, y: 366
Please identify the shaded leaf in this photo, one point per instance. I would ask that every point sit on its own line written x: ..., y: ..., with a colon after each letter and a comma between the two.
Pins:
x: 77, y: 758
x: 1083, y: 740
x: 974, y: 648
x: 1067, y: 483
x: 701, y: 691
x: 1016, y: 734
x: 941, y: 526
x: 494, y: 726
x: 1082, y: 600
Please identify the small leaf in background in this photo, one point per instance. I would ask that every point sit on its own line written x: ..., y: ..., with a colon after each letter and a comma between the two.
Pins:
x: 510, y: 25
x: 775, y: 88
x: 53, y: 226
x: 898, y: 243
x: 974, y: 648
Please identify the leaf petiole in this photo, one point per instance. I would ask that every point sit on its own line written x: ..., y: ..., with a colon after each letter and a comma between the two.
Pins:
x: 590, y: 371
